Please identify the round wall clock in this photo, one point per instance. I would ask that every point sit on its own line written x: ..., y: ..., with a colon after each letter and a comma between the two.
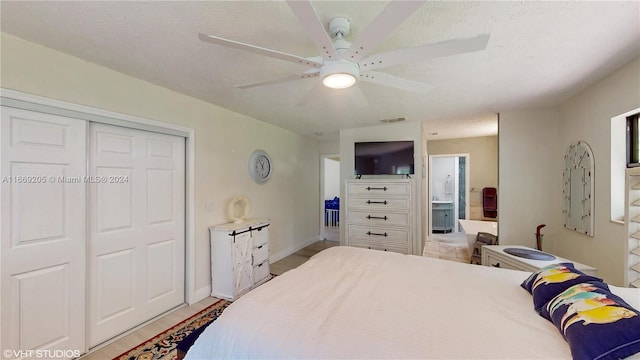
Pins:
x: 260, y: 166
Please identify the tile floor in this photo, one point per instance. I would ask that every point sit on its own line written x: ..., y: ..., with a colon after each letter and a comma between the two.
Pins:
x: 451, y: 246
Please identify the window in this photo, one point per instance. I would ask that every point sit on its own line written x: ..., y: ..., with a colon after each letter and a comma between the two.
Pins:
x: 622, y: 150
x: 633, y: 140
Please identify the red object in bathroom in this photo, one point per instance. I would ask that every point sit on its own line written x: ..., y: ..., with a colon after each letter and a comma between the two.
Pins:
x: 490, y: 202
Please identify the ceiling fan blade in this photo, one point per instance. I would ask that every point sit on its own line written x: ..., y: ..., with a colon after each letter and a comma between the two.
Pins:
x: 424, y: 52
x: 314, y: 27
x: 357, y: 96
x: 258, y: 50
x: 385, y: 79
x: 388, y: 20
x: 305, y: 75
x: 314, y: 93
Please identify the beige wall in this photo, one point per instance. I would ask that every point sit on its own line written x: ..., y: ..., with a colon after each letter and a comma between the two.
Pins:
x: 532, y: 145
x: 224, y: 141
x: 483, y: 164
x: 587, y: 117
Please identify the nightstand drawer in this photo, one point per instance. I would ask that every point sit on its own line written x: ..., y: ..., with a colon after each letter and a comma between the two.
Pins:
x: 260, y: 271
x: 501, y: 263
x: 260, y: 253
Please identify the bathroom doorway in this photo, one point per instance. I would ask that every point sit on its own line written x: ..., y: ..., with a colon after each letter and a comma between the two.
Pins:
x: 330, y: 197
x: 448, y: 192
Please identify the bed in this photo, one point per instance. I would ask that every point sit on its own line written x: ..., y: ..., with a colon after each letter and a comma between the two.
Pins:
x: 347, y: 302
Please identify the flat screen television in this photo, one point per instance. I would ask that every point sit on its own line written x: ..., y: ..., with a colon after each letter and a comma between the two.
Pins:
x: 384, y: 158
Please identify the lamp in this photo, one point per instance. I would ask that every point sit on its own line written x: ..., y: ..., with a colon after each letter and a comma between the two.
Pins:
x: 339, y: 74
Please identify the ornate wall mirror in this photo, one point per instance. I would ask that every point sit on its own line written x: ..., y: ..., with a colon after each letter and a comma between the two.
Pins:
x: 578, y: 188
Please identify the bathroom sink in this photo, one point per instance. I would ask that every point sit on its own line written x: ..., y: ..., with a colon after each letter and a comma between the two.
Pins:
x: 529, y: 254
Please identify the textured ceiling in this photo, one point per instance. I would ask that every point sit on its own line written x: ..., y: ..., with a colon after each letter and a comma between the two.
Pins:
x: 539, y: 54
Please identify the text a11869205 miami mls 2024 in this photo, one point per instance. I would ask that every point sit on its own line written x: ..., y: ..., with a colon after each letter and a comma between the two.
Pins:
x: 61, y: 179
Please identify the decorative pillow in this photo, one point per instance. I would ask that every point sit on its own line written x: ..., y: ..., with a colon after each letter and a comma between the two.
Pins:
x: 551, y: 280
x: 597, y: 324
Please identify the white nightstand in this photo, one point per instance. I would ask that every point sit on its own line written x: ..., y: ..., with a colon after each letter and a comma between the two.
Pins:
x: 494, y: 255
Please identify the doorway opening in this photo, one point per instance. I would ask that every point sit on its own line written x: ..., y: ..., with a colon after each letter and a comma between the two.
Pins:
x: 448, y: 192
x: 330, y: 197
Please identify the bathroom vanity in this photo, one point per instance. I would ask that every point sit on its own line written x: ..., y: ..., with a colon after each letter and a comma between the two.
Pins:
x: 442, y: 215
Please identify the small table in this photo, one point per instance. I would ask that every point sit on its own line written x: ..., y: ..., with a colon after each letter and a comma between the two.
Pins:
x: 494, y: 255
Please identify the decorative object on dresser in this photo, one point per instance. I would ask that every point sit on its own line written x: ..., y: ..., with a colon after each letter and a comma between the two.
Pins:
x: 502, y: 256
x: 379, y: 214
x: 239, y: 257
x: 238, y: 209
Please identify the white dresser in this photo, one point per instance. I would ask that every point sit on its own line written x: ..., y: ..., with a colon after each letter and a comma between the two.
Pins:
x: 239, y: 257
x: 494, y: 255
x: 379, y: 214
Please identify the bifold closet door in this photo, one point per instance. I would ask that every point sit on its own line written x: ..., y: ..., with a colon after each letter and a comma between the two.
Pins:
x: 137, y: 227
x: 43, y: 233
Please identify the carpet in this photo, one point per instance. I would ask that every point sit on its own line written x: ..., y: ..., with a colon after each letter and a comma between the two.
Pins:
x: 163, y: 346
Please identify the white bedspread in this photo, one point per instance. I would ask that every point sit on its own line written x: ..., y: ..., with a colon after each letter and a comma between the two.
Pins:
x: 347, y: 302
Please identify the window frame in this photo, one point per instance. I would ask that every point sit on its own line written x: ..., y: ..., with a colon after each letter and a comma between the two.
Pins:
x: 633, y: 140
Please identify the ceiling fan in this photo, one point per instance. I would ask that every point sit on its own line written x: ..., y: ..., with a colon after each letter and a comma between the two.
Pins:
x: 342, y: 64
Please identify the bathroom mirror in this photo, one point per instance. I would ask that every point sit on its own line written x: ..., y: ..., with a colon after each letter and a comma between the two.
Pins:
x: 578, y: 188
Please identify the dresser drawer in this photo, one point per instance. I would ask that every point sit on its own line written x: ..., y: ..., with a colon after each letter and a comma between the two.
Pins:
x: 387, y: 203
x: 381, y: 188
x: 378, y: 235
x: 377, y: 218
x: 398, y: 249
x: 260, y: 271
x: 260, y: 253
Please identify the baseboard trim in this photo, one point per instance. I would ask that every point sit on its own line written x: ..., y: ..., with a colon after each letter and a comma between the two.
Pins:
x: 292, y: 249
x: 200, y: 294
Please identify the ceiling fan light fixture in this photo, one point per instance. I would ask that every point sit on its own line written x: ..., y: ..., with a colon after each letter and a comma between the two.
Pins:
x: 339, y: 74
x: 339, y: 81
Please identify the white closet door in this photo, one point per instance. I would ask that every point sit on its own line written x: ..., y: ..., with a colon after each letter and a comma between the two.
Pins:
x: 43, y: 232
x: 136, y: 247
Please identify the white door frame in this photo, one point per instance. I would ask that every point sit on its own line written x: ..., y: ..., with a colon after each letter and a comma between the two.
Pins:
x: 17, y: 99
x: 430, y: 187
x: 322, y: 175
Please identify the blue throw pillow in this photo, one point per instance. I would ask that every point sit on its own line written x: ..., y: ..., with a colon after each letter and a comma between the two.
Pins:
x: 597, y: 324
x: 551, y: 280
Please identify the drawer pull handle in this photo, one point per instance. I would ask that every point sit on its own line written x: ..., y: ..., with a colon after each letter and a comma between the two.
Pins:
x: 377, y: 234
x: 377, y: 217
x: 496, y: 265
x: 377, y: 202
x: 369, y: 188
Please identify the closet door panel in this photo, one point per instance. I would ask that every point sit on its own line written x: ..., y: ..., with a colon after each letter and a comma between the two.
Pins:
x: 136, y: 254
x: 42, y: 197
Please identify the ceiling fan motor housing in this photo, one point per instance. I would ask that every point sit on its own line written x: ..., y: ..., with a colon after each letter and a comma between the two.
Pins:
x: 339, y: 27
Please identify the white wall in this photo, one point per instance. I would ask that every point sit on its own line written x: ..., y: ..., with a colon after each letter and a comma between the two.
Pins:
x: 530, y: 177
x: 390, y: 132
x: 224, y: 141
x: 532, y: 145
x: 587, y: 117
x: 331, y: 178
x: 442, y: 167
